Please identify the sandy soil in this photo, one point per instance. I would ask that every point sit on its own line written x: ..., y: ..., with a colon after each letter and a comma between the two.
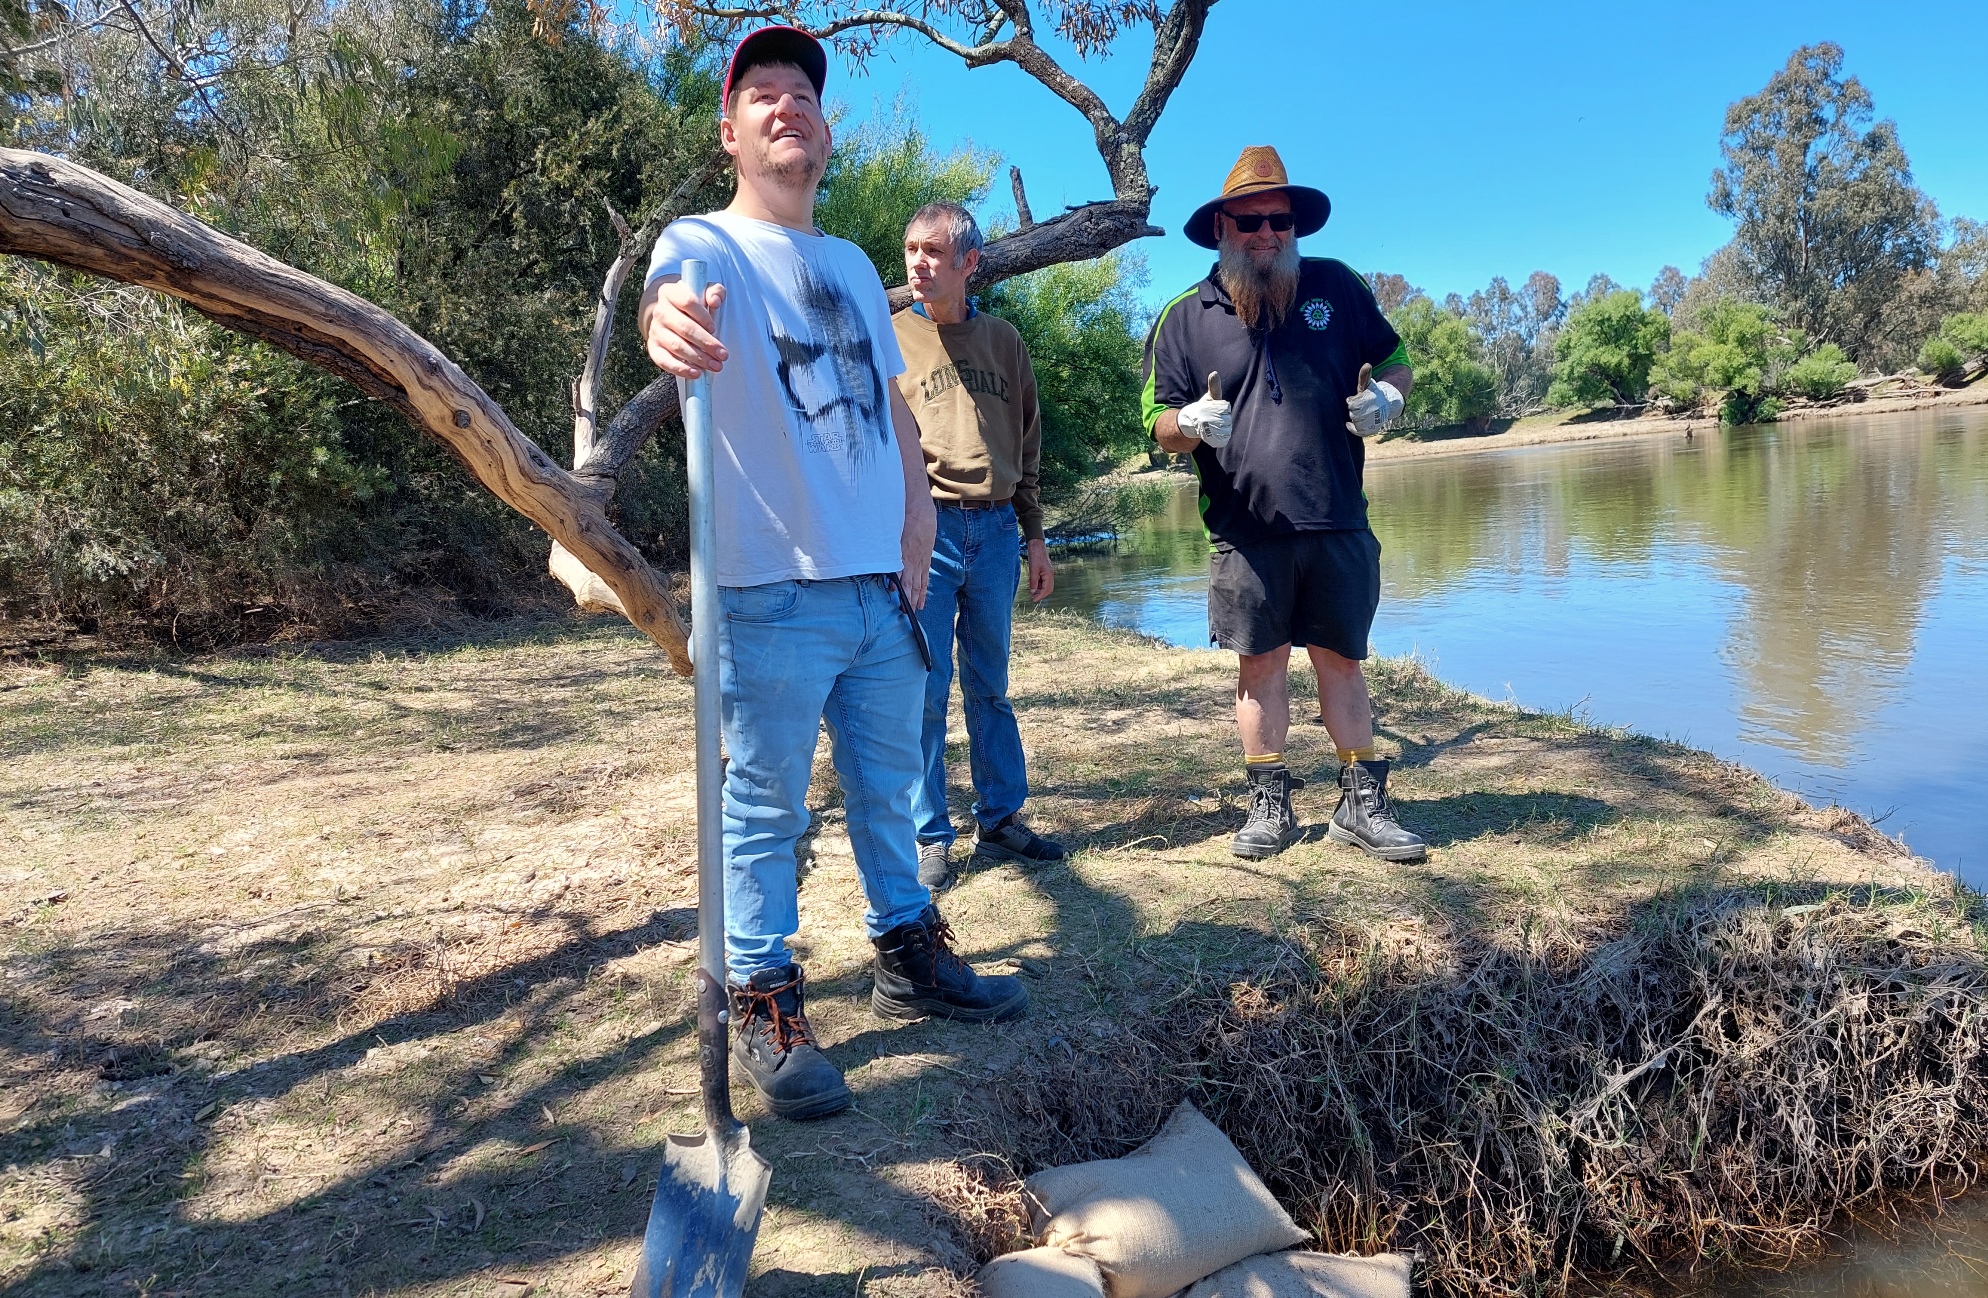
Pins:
x: 1544, y: 430
x: 361, y: 968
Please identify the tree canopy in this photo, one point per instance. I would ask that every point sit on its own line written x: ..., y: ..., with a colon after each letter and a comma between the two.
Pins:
x: 1829, y: 221
x: 1605, y: 353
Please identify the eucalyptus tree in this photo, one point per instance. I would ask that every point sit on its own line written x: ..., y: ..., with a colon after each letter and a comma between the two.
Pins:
x: 1829, y: 221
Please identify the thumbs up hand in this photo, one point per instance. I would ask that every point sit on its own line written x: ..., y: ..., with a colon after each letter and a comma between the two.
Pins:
x: 1209, y: 418
x: 1372, y: 406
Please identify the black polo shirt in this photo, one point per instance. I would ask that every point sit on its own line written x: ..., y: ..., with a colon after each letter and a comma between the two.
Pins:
x: 1291, y: 465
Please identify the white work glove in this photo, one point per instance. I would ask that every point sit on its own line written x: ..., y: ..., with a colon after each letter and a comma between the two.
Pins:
x: 1371, y: 408
x: 1209, y: 418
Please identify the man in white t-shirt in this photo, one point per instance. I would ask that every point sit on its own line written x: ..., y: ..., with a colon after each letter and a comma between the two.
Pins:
x: 825, y: 533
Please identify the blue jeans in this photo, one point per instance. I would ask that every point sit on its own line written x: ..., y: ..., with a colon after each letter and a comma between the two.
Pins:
x: 976, y: 567
x: 793, y: 654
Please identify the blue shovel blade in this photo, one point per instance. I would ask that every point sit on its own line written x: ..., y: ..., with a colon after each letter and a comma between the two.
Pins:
x: 704, y: 1219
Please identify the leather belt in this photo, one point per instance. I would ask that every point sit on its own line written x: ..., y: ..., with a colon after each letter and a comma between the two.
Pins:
x: 976, y: 504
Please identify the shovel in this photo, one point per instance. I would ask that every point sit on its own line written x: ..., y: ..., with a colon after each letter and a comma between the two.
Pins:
x: 705, y: 1215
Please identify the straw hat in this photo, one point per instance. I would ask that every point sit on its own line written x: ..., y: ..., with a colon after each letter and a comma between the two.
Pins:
x: 1259, y: 171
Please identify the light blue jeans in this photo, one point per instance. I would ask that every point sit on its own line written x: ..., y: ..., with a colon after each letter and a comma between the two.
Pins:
x: 794, y: 654
x: 976, y: 568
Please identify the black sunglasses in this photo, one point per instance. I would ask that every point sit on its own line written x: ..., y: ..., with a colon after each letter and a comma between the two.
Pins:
x: 1279, y: 221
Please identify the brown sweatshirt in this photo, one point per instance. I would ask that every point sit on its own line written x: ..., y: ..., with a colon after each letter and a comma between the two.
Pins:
x: 973, y: 390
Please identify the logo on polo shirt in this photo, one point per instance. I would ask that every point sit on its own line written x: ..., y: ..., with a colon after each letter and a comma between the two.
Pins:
x: 1317, y: 313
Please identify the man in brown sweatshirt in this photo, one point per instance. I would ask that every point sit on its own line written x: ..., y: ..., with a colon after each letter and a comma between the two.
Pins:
x: 968, y: 380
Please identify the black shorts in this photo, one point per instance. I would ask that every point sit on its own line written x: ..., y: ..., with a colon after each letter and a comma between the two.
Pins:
x: 1306, y: 588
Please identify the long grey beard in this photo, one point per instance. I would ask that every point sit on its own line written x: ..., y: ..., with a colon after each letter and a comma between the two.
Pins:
x: 1262, y: 298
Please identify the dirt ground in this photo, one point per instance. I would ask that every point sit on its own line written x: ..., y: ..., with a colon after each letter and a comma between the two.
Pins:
x: 362, y: 968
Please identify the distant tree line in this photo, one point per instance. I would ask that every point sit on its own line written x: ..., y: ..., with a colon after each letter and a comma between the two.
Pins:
x: 462, y: 164
x: 1838, y: 264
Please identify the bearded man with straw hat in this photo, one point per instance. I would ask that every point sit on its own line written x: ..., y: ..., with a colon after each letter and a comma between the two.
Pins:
x: 1271, y: 372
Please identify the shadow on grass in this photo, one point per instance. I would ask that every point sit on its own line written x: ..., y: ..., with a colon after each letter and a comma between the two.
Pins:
x: 456, y: 1180
x: 1534, y: 817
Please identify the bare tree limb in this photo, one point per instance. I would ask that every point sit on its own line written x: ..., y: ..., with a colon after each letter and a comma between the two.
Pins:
x: 635, y: 245
x: 1092, y: 229
x: 55, y: 38
x: 1175, y: 42
x: 630, y: 430
x: 587, y: 388
x: 1023, y: 217
x: 594, y: 473
x: 70, y: 215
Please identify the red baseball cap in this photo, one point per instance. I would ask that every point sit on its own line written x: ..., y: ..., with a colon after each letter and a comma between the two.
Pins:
x: 779, y: 45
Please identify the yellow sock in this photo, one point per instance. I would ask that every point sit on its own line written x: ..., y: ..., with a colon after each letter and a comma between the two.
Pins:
x: 1356, y: 754
x: 1263, y: 759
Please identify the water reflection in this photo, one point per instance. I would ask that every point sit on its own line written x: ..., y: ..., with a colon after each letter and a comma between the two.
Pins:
x: 1808, y: 599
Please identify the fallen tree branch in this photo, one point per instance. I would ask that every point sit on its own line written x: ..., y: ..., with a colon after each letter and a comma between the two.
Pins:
x: 67, y: 214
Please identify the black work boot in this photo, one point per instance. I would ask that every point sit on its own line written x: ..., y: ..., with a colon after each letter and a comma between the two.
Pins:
x: 1271, y: 824
x: 1364, y: 818
x: 1011, y: 840
x: 917, y: 975
x: 776, y: 1047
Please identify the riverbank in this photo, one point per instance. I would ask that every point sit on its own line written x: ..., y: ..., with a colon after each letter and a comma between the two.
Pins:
x: 1575, y: 426
x: 365, y: 965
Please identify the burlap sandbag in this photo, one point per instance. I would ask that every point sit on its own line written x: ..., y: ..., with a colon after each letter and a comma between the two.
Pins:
x: 1307, y: 1275
x: 1182, y: 1206
x: 1041, y: 1273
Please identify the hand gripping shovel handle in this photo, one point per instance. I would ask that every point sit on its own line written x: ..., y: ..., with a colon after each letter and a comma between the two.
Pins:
x: 705, y: 1216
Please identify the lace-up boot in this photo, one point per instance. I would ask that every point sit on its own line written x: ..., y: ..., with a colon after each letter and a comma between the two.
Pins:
x: 1271, y: 824
x: 1364, y: 818
x: 917, y: 974
x: 776, y: 1047
x: 1011, y: 840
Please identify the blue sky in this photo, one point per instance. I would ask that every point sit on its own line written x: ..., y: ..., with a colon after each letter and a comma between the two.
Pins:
x: 1460, y: 141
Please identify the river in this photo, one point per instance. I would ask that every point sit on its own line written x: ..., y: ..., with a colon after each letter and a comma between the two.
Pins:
x: 1808, y: 599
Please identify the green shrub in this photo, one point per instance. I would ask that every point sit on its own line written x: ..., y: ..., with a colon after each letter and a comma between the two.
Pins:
x: 1941, y: 359
x: 1821, y: 374
x: 1737, y: 352
x: 1452, y: 385
x: 155, y: 464
x: 1083, y: 326
x: 1606, y: 352
x: 1967, y: 331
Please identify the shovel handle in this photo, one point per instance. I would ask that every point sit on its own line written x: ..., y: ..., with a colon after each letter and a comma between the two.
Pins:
x: 714, y: 1080
x: 1366, y: 379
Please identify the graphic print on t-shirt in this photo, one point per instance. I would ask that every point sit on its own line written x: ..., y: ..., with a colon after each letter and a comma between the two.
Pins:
x: 831, y: 377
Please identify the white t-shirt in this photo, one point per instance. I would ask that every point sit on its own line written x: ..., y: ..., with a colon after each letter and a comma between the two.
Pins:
x: 809, y: 481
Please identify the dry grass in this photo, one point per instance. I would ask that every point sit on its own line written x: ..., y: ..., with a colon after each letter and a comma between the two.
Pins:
x: 361, y: 968
x: 1707, y: 1077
